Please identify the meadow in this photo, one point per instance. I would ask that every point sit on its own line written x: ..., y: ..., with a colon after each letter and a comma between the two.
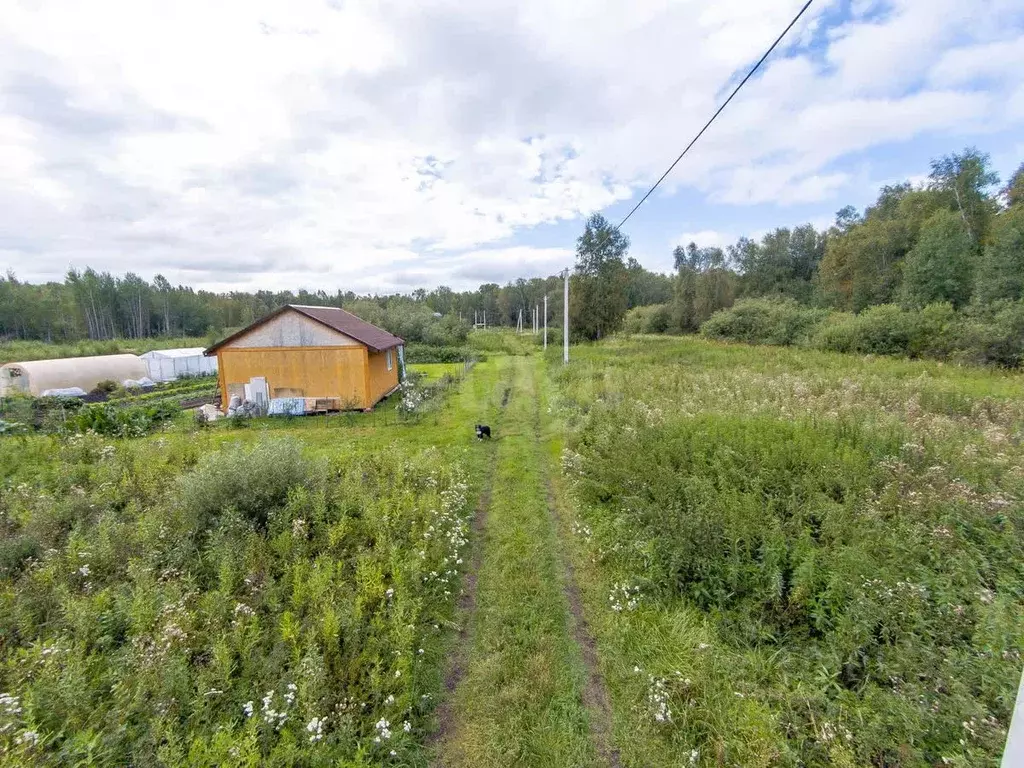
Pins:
x: 798, y: 558
x: 674, y: 552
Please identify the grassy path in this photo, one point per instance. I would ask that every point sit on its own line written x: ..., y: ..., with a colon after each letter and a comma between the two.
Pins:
x: 521, y: 702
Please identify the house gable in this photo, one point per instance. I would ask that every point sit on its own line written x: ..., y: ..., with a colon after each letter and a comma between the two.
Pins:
x: 291, y: 329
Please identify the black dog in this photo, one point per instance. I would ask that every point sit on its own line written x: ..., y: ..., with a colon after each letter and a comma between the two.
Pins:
x: 482, y: 431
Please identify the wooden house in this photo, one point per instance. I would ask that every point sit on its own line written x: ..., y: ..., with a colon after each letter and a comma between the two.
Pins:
x: 310, y: 352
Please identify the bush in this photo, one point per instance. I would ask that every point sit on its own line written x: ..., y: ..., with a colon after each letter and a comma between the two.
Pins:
x: 994, y: 335
x: 765, y: 321
x: 881, y: 330
x: 984, y: 335
x: 253, y: 480
x: 423, y: 353
x: 654, y: 318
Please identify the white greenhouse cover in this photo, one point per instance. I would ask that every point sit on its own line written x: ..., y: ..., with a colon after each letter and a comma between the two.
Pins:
x: 169, y: 364
x: 36, y: 376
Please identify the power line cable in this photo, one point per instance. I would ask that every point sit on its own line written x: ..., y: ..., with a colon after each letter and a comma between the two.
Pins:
x: 719, y: 111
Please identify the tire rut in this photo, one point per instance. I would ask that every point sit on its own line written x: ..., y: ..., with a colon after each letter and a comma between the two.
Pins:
x: 595, y: 691
x: 445, y: 712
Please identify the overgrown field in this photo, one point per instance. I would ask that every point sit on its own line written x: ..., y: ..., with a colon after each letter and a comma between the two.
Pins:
x: 798, y: 558
x: 277, y: 595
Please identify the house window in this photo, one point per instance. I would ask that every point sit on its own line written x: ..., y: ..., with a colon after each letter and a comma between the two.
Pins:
x: 388, y: 358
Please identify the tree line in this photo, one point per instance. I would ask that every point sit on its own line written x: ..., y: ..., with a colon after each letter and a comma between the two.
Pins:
x: 99, y: 306
x: 956, y: 239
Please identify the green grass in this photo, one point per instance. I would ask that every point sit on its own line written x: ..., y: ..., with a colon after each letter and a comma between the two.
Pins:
x: 817, y: 560
x: 434, y: 371
x: 520, y: 702
x: 179, y: 528
x: 825, y: 551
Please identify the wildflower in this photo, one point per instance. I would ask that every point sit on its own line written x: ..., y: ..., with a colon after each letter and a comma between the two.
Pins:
x: 383, y: 730
x: 315, y: 729
x: 390, y: 699
x: 407, y: 726
x: 247, y: 708
x: 694, y: 756
x: 389, y: 593
x: 658, y: 700
x: 84, y: 570
x: 30, y: 738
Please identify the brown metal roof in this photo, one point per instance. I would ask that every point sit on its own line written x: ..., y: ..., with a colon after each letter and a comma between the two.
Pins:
x: 339, y: 320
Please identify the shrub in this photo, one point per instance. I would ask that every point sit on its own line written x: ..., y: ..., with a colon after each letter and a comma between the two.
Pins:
x: 253, y: 480
x: 994, y: 335
x: 885, y: 329
x: 654, y: 318
x: 423, y: 353
x: 765, y: 321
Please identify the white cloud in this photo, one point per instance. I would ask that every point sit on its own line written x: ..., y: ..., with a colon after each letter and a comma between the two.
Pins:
x: 370, y: 144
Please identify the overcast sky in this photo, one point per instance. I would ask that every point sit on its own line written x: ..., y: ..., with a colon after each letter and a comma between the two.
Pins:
x: 382, y: 146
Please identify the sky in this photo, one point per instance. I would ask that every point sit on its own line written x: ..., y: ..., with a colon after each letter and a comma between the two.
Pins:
x: 388, y: 145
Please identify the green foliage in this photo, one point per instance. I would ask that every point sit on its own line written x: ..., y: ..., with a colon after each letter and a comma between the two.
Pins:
x: 764, y: 321
x: 127, y: 421
x: 1001, y: 272
x: 501, y: 341
x: 598, y: 294
x: 655, y: 318
x: 992, y: 335
x: 940, y: 267
x: 159, y: 613
x: 962, y: 182
x: 845, y: 532
x: 424, y: 353
x: 411, y: 320
x: 1014, y: 189
x: 253, y: 481
x: 782, y: 264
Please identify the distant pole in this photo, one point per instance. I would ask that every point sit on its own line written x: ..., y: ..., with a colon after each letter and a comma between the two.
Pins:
x: 565, y: 321
x: 545, y: 321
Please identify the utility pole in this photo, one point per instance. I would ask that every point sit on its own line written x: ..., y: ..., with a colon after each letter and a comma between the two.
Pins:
x: 545, y: 321
x: 565, y: 321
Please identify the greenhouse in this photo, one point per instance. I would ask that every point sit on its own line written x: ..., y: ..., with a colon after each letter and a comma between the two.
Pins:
x: 171, y: 364
x: 36, y: 377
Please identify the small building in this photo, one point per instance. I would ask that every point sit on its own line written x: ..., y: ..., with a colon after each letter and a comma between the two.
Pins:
x: 35, y: 377
x: 171, y: 364
x: 310, y: 352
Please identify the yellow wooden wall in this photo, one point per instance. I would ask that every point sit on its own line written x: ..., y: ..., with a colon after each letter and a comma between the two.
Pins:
x: 382, y: 380
x: 307, y: 371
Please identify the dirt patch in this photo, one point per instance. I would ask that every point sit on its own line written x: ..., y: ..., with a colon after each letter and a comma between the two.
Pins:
x: 595, y: 692
x: 505, y: 395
